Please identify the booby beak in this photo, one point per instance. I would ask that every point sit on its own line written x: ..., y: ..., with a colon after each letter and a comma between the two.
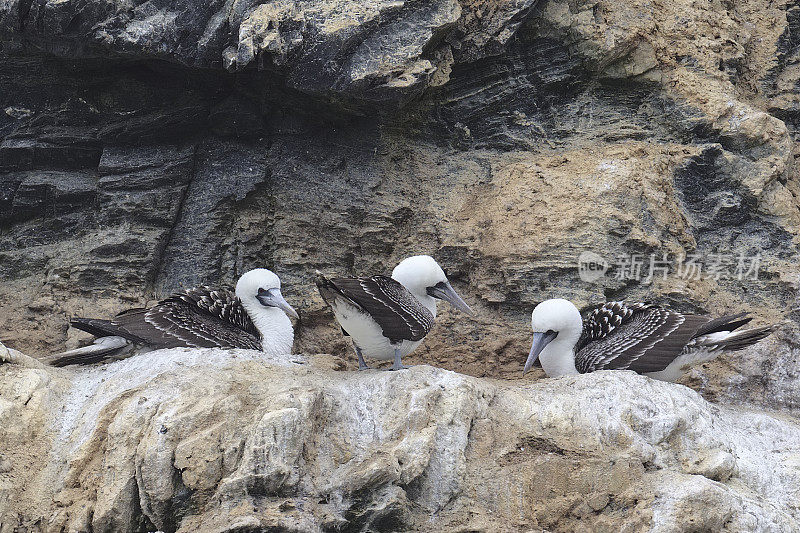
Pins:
x: 274, y: 298
x: 540, y: 340
x: 444, y: 291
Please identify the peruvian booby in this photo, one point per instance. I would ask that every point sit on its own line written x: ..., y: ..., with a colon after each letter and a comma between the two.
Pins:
x: 387, y: 317
x: 647, y: 339
x: 253, y: 317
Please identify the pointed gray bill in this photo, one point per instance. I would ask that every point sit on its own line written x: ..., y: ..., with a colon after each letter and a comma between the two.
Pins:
x: 274, y: 298
x: 444, y: 291
x: 540, y: 340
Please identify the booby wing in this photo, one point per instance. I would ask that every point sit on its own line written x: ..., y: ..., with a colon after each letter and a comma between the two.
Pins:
x: 639, y: 337
x: 209, y: 318
x: 398, y: 313
x: 199, y: 317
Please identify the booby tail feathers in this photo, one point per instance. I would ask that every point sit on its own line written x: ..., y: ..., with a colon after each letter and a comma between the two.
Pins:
x: 737, y: 340
x: 724, y: 323
x: 102, y: 349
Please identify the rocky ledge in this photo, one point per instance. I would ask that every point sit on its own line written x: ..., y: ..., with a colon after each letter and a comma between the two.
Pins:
x: 182, y: 440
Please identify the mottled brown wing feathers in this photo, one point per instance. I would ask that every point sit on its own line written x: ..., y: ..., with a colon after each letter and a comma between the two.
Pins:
x: 639, y: 337
x: 199, y: 317
x: 222, y: 304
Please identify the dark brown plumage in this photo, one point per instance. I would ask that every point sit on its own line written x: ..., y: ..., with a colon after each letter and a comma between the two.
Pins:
x: 199, y: 317
x: 398, y: 313
x: 647, y: 338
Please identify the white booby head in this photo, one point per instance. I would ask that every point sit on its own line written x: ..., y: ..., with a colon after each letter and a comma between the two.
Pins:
x: 422, y: 276
x: 260, y: 293
x: 552, y: 320
x: 261, y: 287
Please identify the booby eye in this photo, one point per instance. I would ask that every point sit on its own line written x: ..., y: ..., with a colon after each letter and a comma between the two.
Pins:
x: 436, y: 290
x: 274, y: 298
x: 264, y: 297
x: 552, y: 333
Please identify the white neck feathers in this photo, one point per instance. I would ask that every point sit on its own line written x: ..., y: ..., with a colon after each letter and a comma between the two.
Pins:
x: 558, y: 357
x: 277, y: 333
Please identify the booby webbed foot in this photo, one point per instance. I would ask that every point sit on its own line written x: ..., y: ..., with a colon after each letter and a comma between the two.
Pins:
x: 398, y: 364
x: 362, y: 365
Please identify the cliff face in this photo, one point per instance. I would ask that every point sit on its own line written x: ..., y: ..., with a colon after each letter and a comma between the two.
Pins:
x: 207, y: 440
x: 149, y: 146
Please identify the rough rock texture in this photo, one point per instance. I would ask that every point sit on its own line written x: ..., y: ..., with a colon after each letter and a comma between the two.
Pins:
x: 208, y: 440
x: 145, y: 146
x: 150, y: 145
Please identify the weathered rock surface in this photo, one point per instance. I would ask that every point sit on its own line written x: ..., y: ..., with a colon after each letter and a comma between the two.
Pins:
x: 150, y: 145
x: 363, y: 50
x: 146, y: 146
x: 190, y: 440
